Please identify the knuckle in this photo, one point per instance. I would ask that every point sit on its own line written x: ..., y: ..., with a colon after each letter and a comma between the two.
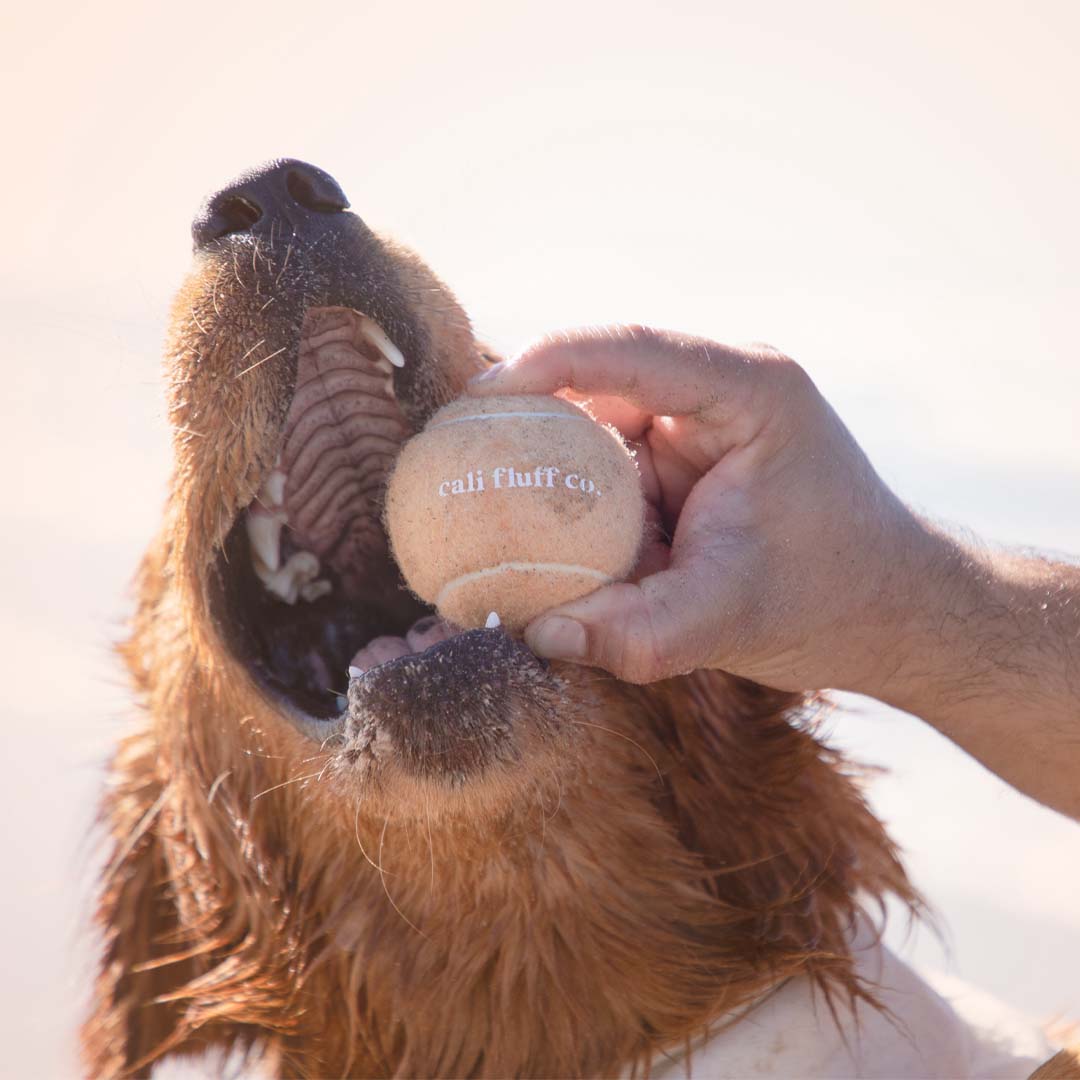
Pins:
x: 637, y: 332
x: 762, y: 350
x: 788, y: 376
x: 778, y: 363
x: 637, y: 336
x: 636, y: 657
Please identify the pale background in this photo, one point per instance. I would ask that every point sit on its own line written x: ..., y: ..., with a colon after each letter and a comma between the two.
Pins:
x: 886, y: 191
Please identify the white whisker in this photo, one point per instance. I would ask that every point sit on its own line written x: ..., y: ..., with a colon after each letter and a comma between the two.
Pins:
x: 382, y: 878
x: 619, y: 734
x: 284, y: 783
x: 218, y: 781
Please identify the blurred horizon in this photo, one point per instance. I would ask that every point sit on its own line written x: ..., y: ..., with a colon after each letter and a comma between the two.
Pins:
x: 888, y: 194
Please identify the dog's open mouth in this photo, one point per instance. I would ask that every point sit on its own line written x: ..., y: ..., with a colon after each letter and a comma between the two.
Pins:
x: 314, y: 600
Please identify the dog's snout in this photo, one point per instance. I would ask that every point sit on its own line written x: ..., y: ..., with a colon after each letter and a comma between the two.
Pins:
x: 290, y: 193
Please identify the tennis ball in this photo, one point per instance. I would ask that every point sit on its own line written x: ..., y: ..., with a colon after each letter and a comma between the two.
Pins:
x: 513, y: 505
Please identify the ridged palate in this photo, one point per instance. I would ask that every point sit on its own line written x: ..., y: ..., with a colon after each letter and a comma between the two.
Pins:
x: 342, y: 434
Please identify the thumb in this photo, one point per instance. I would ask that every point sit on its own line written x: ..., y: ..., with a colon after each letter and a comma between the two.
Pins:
x: 639, y: 632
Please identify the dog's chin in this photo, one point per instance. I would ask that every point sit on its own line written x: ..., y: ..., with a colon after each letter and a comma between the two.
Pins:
x: 314, y: 606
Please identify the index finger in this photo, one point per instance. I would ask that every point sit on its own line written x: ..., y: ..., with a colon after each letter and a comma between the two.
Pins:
x: 660, y: 372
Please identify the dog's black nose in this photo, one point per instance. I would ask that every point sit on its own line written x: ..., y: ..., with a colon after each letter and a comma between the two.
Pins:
x: 287, y: 192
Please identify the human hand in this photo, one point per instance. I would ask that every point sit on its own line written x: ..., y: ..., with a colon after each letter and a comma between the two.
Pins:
x: 777, y: 553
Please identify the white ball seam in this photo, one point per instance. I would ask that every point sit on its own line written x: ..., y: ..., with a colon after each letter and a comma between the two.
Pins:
x: 509, y: 416
x: 542, y: 567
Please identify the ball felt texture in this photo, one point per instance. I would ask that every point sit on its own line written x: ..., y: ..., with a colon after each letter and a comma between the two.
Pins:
x: 513, y: 505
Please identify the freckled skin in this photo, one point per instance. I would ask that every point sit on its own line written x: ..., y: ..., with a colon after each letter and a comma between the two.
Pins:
x: 497, y: 867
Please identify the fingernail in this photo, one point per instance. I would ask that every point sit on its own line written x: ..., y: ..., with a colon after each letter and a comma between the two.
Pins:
x: 557, y: 638
x: 492, y: 372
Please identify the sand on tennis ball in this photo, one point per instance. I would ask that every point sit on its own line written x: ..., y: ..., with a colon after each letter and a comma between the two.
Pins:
x: 513, y: 505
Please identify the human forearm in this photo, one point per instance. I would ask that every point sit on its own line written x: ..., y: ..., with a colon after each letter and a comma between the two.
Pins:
x: 992, y: 660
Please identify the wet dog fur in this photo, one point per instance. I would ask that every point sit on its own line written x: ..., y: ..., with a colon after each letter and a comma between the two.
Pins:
x: 626, y: 865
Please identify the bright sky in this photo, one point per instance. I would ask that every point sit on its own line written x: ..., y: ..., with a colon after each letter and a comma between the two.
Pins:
x: 887, y: 192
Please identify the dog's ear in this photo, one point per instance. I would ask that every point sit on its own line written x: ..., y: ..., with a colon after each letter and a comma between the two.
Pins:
x: 132, y: 1020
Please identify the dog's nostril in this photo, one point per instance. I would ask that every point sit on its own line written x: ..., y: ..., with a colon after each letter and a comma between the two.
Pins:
x: 314, y: 190
x: 225, y: 214
x: 238, y: 214
x: 285, y: 194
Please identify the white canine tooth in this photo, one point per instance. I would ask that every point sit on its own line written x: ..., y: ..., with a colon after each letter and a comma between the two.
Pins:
x: 264, y: 536
x: 377, y: 336
x: 341, y: 701
x: 273, y: 489
x: 355, y: 672
x: 301, y: 569
x: 265, y: 517
x: 313, y: 590
x: 493, y: 621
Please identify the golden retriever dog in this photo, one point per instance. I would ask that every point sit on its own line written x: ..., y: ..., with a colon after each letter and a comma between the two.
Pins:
x: 456, y: 860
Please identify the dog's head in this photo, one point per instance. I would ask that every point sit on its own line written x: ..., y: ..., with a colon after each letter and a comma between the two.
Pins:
x: 457, y: 859
x: 304, y: 351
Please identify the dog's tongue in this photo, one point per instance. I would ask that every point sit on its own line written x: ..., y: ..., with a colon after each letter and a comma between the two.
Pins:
x: 423, y: 633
